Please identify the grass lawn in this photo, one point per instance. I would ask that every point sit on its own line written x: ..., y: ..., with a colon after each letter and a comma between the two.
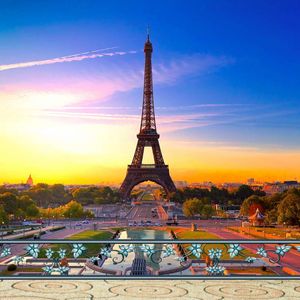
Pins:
x: 196, y: 235
x: 202, y: 235
x: 91, y: 235
x: 277, y: 232
x: 148, y: 197
x: 92, y: 249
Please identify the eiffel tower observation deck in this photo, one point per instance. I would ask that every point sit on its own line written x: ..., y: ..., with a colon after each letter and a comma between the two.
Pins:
x: 138, y: 172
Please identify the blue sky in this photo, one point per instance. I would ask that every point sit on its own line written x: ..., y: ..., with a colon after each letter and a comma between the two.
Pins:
x: 226, y: 73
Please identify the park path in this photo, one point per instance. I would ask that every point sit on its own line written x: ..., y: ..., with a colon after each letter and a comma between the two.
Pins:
x: 290, y: 260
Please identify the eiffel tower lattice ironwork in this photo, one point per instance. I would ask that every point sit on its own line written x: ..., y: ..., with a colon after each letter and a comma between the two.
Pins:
x: 138, y: 172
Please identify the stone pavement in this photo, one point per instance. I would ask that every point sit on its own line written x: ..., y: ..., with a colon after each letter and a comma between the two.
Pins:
x: 147, y: 289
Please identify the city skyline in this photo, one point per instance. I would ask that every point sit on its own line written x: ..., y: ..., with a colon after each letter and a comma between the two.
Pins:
x: 226, y: 98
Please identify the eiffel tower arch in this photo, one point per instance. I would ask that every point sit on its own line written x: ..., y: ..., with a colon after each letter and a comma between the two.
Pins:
x: 138, y: 172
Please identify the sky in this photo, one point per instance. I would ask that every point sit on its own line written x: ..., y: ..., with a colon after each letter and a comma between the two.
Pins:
x: 226, y: 89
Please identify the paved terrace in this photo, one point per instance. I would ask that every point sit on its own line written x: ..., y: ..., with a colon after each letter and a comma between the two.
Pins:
x: 168, y: 290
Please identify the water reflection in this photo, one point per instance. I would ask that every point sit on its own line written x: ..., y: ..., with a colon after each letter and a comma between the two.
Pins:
x: 149, y: 235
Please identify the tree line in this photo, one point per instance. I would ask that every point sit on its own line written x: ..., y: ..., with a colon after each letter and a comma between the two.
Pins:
x: 216, y: 195
x: 54, y: 200
x: 280, y: 208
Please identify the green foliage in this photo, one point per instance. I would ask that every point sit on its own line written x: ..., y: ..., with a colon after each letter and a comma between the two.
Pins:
x: 96, y: 195
x: 289, y: 209
x: 250, y: 205
x: 3, y: 216
x: 278, y: 208
x: 9, y: 202
x: 196, y: 206
x: 216, y: 195
x: 73, y: 209
x: 244, y: 191
x: 32, y: 211
x: 45, y: 195
x: 207, y: 211
x: 42, y: 196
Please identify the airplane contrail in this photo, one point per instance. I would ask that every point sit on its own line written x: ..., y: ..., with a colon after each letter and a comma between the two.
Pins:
x: 68, y: 58
x: 88, y: 52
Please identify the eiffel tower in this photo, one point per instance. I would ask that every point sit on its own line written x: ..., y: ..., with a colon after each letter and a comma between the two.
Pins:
x: 138, y: 172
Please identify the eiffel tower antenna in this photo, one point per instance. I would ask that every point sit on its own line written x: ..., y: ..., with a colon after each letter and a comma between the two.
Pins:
x: 138, y: 172
x: 148, y: 32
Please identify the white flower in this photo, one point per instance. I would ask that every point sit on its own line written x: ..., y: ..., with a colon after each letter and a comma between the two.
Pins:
x: 49, y: 253
x: 78, y: 249
x: 17, y: 259
x: 63, y: 269
x: 250, y: 259
x: 48, y: 269
x: 196, y: 250
x: 5, y: 252
x: 168, y: 251
x: 262, y: 252
x: 281, y: 250
x: 234, y: 250
x: 125, y: 249
x: 215, y: 270
x: 215, y: 253
x: 62, y: 253
x: 94, y: 259
x: 106, y: 252
x: 180, y: 258
x: 147, y: 249
x: 33, y: 250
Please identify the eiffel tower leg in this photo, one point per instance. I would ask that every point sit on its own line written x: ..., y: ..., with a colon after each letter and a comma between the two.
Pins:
x: 134, y: 176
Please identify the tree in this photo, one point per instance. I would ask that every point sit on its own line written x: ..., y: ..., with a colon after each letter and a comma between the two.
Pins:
x: 177, y: 196
x: 32, y: 211
x: 192, y: 207
x: 272, y: 203
x: 207, y: 211
x: 244, y: 191
x: 42, y: 185
x: 196, y: 206
x: 41, y: 195
x: 289, y: 209
x: 251, y: 204
x: 73, y: 209
x: 59, y: 195
x: 3, y: 216
x: 9, y: 202
x: 24, y: 201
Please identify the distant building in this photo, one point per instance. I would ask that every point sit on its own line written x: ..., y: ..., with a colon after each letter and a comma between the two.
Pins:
x: 18, y: 186
x: 279, y: 187
x: 250, y: 181
x: 257, y: 219
x: 231, y: 186
x: 202, y: 185
x: 180, y: 184
x: 29, y: 181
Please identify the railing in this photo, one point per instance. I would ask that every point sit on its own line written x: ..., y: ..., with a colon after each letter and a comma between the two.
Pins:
x: 165, y: 259
x: 145, y: 166
x: 148, y: 166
